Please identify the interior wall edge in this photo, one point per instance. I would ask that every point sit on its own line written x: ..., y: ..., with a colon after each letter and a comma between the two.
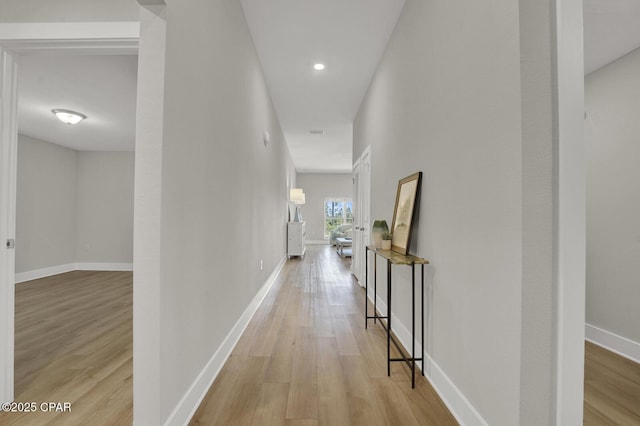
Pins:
x: 190, y: 401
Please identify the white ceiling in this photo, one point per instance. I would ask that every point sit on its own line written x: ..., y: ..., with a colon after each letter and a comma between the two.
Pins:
x: 611, y: 30
x: 349, y: 38
x: 290, y: 36
x: 101, y: 87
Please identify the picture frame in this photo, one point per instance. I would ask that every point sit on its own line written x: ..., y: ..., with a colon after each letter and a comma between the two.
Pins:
x: 404, y: 211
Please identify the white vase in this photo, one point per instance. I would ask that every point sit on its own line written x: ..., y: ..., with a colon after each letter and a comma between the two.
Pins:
x: 386, y: 244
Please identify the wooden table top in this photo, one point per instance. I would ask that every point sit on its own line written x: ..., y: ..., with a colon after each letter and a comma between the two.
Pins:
x: 397, y: 258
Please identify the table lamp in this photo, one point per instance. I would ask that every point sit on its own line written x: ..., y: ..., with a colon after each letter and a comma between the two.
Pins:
x: 297, y: 197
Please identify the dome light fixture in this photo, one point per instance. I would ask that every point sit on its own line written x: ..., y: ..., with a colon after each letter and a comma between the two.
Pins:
x: 318, y: 67
x: 68, y: 116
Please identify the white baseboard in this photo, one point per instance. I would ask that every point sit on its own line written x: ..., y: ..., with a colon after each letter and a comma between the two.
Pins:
x: 44, y: 272
x: 317, y: 242
x: 61, y: 269
x: 191, y: 400
x: 612, y: 342
x: 104, y: 266
x: 453, y: 398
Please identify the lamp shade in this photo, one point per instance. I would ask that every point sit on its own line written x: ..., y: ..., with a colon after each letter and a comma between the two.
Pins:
x: 296, y: 195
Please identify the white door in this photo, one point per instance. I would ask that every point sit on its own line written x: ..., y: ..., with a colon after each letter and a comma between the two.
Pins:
x: 8, y: 167
x: 362, y: 210
x: 357, y: 219
x: 365, y: 191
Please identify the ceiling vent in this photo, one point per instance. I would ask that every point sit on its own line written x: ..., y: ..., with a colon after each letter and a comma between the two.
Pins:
x: 316, y: 131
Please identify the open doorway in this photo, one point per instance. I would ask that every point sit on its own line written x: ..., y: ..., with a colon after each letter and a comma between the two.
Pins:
x: 99, y: 38
x: 74, y: 229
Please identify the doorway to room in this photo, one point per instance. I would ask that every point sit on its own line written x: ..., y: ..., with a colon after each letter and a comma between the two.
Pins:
x: 33, y: 40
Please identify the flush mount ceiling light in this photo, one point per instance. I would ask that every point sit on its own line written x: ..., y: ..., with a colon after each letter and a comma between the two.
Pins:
x: 318, y: 67
x: 68, y: 116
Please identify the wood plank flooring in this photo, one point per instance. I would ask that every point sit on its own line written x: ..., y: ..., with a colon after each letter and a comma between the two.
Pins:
x: 74, y: 343
x: 611, y: 388
x: 306, y: 359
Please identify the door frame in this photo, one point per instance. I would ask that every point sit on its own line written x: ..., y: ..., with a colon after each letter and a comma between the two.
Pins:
x: 8, y: 162
x: 357, y: 239
x: 31, y: 39
x: 362, y: 199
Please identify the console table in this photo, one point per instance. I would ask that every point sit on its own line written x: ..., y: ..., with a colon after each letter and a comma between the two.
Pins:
x: 394, y: 258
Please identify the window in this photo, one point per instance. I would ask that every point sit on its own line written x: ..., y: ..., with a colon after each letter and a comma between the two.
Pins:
x: 337, y: 211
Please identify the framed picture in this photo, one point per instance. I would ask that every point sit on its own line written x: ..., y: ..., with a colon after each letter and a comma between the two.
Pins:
x: 404, y: 211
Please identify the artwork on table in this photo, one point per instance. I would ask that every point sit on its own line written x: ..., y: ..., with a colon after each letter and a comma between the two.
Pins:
x: 404, y: 211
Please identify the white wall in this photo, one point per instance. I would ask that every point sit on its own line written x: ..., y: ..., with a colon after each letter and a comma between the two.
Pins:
x: 105, y: 207
x: 467, y: 94
x: 68, y: 10
x: 317, y: 187
x: 223, y: 202
x: 147, y: 238
x: 46, y: 211
x: 613, y: 197
x: 426, y: 110
x: 72, y: 207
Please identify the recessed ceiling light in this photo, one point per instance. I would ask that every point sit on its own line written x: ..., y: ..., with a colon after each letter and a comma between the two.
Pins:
x: 68, y: 116
x: 318, y: 67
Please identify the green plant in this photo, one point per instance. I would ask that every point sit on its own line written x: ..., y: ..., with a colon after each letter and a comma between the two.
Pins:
x: 386, y: 235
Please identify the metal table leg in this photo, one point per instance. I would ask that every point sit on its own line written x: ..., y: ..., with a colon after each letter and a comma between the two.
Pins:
x: 366, y: 287
x: 375, y: 287
x: 413, y: 325
x: 388, y: 318
x: 422, y: 309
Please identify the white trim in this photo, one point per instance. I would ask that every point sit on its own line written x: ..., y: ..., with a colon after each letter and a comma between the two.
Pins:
x: 569, y: 224
x: 71, y: 37
x: 459, y: 406
x: 189, y: 403
x: 317, y: 242
x: 8, y: 168
x: 147, y: 220
x: 69, y: 31
x: 44, y: 272
x: 612, y: 342
x: 98, y: 266
x: 96, y: 37
x: 69, y: 267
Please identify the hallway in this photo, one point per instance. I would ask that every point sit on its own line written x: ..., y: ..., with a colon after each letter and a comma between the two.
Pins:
x: 306, y: 359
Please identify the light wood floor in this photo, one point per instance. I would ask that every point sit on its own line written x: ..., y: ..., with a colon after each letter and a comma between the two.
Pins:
x: 611, y: 388
x: 306, y: 359
x: 73, y: 343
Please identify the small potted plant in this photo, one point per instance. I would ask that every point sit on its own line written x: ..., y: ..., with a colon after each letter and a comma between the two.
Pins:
x: 386, y: 241
x: 379, y: 228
